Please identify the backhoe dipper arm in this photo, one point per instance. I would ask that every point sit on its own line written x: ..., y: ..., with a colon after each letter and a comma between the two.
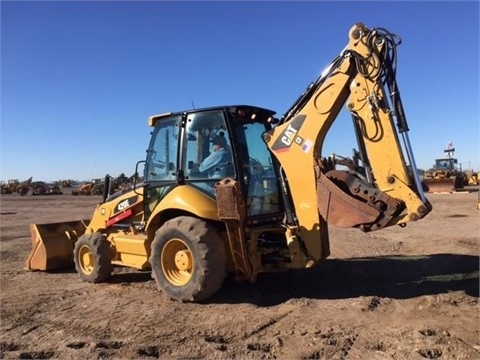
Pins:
x: 386, y: 193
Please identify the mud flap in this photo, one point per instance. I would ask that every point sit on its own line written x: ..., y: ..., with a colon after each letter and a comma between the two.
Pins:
x: 232, y: 211
x: 52, y: 244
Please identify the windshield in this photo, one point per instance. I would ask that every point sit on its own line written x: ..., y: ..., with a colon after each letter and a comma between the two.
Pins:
x: 445, y: 164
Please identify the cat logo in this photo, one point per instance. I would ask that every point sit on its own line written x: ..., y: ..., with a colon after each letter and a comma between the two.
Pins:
x: 289, y: 135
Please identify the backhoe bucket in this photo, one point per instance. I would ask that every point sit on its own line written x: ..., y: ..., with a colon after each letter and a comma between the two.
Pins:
x: 52, y: 244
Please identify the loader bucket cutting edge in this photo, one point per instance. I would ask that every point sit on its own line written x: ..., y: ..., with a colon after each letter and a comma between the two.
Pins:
x: 52, y: 244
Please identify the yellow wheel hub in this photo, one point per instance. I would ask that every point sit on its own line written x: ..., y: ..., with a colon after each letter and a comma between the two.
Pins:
x: 85, y: 257
x: 183, y: 260
x: 177, y: 262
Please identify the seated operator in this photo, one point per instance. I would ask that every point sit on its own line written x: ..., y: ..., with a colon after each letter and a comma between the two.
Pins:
x: 216, y: 163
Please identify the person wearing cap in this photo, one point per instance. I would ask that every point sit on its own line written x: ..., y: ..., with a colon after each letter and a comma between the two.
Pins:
x: 216, y: 163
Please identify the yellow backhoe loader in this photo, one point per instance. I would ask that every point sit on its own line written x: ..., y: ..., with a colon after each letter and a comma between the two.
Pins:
x: 445, y: 175
x: 235, y: 189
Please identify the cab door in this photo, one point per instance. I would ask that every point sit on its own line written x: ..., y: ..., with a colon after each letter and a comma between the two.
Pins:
x: 160, y: 173
x: 201, y: 130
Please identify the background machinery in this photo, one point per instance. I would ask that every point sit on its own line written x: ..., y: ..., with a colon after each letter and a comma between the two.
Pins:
x: 9, y: 186
x: 473, y: 178
x: 271, y: 209
x: 446, y: 175
x: 24, y: 187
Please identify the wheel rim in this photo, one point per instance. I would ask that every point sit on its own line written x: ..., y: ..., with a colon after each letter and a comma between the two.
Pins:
x: 177, y: 262
x: 85, y: 257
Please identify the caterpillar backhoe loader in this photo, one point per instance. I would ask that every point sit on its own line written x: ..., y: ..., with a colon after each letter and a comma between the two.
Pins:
x: 264, y: 207
x: 446, y: 175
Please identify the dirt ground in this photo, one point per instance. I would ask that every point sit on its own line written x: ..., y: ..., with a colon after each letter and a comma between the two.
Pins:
x: 410, y: 293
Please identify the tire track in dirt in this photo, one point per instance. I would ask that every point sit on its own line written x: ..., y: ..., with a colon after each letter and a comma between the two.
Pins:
x: 333, y: 343
x: 412, y: 336
x: 272, y: 321
x: 258, y: 335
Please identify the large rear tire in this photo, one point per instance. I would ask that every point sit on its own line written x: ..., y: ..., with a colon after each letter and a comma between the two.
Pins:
x: 188, y: 259
x: 92, y: 257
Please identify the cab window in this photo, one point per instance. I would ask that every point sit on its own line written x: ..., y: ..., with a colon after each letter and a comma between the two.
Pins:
x: 207, y: 150
x: 162, y: 153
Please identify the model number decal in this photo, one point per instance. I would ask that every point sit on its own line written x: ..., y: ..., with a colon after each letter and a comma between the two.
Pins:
x: 125, y: 204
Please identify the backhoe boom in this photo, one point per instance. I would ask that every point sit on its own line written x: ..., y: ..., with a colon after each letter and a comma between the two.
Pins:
x: 383, y: 192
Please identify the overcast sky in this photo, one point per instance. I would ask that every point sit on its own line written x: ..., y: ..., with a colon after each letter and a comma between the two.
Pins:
x: 79, y: 79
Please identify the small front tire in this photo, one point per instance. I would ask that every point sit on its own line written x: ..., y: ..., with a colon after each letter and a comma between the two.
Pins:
x: 92, y: 257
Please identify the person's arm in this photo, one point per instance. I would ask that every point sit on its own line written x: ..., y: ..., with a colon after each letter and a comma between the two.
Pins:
x: 210, y: 161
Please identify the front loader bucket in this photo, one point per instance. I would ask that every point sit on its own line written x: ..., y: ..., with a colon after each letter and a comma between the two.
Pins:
x: 52, y: 244
x: 440, y: 185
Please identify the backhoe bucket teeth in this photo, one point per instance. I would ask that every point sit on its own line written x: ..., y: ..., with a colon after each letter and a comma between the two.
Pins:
x: 52, y: 244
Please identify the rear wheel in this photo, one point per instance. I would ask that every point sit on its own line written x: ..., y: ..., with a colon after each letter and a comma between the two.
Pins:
x: 92, y: 257
x: 188, y: 259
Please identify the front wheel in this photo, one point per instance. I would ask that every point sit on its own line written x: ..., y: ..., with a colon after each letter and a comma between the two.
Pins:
x: 92, y: 257
x: 188, y: 259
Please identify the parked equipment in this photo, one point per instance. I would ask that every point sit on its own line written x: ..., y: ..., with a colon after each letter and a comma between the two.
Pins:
x: 473, y: 178
x: 268, y: 208
x: 10, y: 186
x: 445, y: 175
x: 95, y: 187
x: 24, y: 187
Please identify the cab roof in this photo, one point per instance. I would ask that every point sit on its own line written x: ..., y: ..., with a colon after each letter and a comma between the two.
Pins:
x: 230, y: 108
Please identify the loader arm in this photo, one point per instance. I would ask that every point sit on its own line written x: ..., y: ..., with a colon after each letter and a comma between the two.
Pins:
x: 386, y: 193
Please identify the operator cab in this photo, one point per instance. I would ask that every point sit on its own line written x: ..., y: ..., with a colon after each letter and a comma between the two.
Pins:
x: 447, y: 164
x: 198, y: 148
